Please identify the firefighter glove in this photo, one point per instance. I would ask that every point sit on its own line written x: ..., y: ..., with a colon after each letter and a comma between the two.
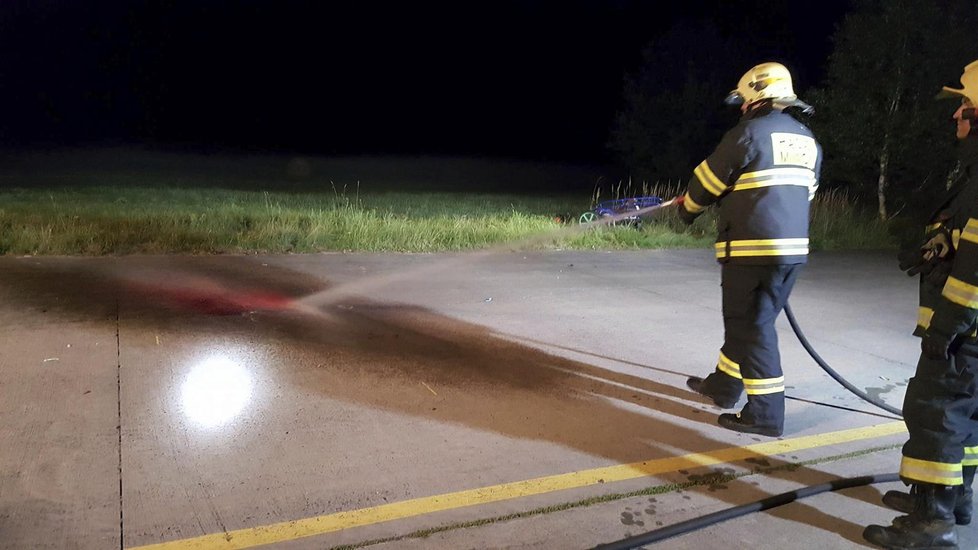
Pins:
x: 933, y: 253
x: 685, y: 215
x: 935, y: 345
x: 938, y: 274
x: 911, y: 260
x: 939, y: 246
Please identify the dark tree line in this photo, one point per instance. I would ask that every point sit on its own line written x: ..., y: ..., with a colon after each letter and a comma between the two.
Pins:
x: 887, y: 141
x: 672, y: 110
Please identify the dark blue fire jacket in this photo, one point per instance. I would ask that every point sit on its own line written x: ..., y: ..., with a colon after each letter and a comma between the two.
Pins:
x: 763, y: 175
x: 949, y: 306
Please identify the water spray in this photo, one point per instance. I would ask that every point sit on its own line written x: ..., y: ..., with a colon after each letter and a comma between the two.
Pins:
x: 209, y: 296
x: 314, y: 303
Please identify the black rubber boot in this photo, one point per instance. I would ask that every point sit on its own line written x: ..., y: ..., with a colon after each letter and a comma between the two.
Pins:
x: 929, y: 526
x: 695, y: 383
x: 962, y: 511
x: 737, y: 423
x: 904, y: 502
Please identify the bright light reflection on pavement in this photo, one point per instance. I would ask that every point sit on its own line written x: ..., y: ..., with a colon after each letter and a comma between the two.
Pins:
x: 216, y: 391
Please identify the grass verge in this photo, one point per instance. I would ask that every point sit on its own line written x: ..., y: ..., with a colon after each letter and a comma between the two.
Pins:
x: 162, y: 220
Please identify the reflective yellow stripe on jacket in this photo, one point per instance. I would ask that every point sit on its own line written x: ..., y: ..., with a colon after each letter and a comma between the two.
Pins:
x: 924, y: 315
x: 970, y: 232
x: 970, y: 456
x: 938, y: 473
x: 801, y: 177
x: 692, y: 206
x: 709, y: 180
x: 961, y: 293
x: 762, y: 247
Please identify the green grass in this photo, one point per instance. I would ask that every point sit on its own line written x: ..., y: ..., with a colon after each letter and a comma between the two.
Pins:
x: 129, y: 220
x: 837, y: 224
x: 132, y: 201
x: 112, y: 220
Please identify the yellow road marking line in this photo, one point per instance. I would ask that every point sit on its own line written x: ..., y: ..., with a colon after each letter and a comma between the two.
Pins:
x: 290, y: 530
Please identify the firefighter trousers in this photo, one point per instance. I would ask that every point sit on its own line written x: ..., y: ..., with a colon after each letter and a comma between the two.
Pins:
x: 753, y: 297
x: 941, y: 413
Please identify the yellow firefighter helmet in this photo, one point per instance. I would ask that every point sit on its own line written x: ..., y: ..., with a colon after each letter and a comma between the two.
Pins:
x: 969, y: 90
x: 765, y: 81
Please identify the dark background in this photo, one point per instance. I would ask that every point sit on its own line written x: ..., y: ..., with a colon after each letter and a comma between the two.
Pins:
x: 531, y: 79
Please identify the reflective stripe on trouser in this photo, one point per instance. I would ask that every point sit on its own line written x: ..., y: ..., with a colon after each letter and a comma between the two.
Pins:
x: 764, y: 386
x: 941, y: 413
x: 728, y: 366
x: 938, y: 473
x: 753, y: 297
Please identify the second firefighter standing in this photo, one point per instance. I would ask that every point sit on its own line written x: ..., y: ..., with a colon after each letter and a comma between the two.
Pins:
x: 941, y: 405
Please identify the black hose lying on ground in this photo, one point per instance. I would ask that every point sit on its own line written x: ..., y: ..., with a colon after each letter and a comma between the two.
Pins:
x: 821, y: 362
x: 777, y: 500
x: 744, y: 509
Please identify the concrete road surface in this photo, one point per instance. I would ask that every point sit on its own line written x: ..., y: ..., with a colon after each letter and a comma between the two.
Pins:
x: 513, y: 400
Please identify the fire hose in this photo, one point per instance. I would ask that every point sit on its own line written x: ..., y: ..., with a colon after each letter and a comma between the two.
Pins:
x: 697, y: 523
x: 744, y: 509
x: 828, y: 370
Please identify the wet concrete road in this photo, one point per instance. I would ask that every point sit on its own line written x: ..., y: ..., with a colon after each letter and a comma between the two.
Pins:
x: 163, y: 399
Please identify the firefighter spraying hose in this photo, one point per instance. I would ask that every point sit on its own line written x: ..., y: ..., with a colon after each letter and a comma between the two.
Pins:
x: 762, y: 176
x: 941, y: 456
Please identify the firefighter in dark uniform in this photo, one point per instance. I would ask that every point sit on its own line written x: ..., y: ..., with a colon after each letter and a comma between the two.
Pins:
x: 763, y: 175
x: 941, y: 404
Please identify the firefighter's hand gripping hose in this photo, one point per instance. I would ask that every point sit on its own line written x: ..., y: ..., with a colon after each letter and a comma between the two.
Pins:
x: 776, y: 500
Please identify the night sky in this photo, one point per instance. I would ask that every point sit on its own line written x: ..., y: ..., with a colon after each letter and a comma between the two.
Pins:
x: 533, y: 79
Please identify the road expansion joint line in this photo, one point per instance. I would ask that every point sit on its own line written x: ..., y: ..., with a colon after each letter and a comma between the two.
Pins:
x: 718, y: 478
x: 649, y: 470
x: 118, y: 384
